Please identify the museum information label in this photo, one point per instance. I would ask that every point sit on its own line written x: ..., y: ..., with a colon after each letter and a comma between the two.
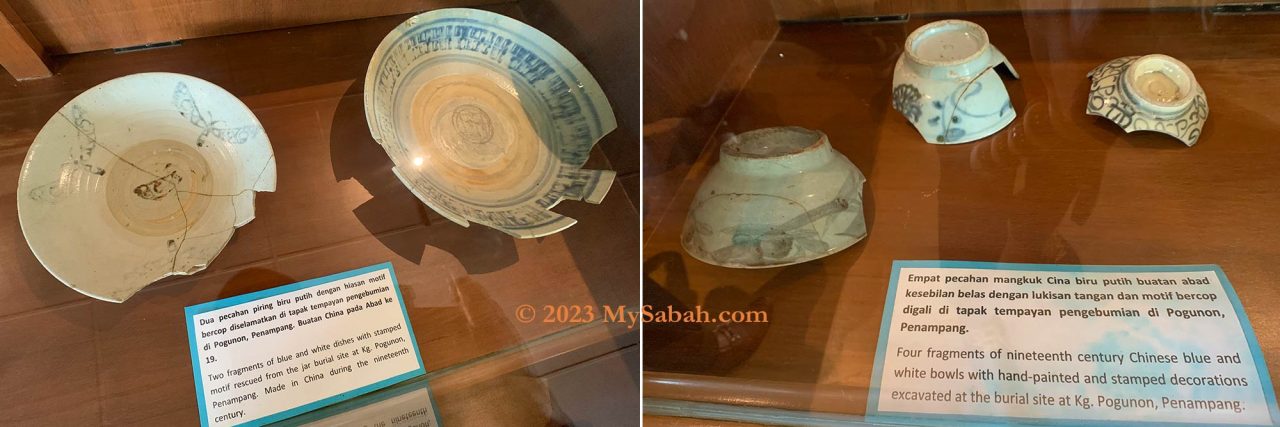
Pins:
x: 270, y: 355
x: 1063, y: 344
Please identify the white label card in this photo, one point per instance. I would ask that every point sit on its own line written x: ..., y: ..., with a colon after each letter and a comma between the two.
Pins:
x: 1067, y: 344
x: 270, y: 355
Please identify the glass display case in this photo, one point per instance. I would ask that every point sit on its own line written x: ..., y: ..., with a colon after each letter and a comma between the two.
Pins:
x: 799, y: 171
x: 68, y: 359
x: 1060, y: 183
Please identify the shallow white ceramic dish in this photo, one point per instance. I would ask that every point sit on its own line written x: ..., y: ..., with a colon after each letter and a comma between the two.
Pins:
x: 487, y: 120
x: 778, y: 196
x: 1149, y: 93
x: 141, y: 178
x: 946, y: 83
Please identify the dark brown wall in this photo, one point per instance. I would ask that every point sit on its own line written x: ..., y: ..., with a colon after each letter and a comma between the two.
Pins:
x: 802, y: 10
x: 605, y: 36
x: 70, y: 26
x: 697, y: 56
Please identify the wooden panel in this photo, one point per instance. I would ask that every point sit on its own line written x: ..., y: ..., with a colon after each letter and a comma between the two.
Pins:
x: 806, y: 10
x: 697, y: 56
x: 1056, y: 186
x: 849, y: 8
x: 663, y: 421
x: 605, y: 36
x: 20, y: 54
x: 817, y: 10
x: 70, y: 26
x: 961, y: 6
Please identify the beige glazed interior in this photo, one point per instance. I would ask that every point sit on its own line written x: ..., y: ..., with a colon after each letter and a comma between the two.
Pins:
x: 487, y: 120
x: 470, y: 131
x: 140, y: 178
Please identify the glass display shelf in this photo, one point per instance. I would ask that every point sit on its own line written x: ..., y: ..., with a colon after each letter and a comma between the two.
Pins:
x: 72, y: 360
x: 1056, y: 186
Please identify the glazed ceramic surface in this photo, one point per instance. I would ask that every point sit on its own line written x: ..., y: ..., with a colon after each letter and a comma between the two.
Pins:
x: 141, y: 178
x: 487, y: 120
x: 778, y: 196
x: 946, y: 84
x: 1152, y: 93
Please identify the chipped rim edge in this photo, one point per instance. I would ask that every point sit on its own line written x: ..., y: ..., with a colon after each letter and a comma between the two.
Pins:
x: 197, y: 268
x: 608, y: 121
x: 1092, y: 75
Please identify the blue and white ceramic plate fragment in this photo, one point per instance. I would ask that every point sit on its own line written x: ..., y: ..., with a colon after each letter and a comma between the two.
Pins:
x: 487, y: 119
x: 141, y: 178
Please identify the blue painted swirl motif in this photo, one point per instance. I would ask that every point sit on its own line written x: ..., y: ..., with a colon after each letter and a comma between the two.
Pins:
x: 187, y: 107
x: 950, y: 115
x: 1108, y: 98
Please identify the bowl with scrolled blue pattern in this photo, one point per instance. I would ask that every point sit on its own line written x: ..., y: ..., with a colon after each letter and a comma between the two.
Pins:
x: 1155, y: 93
x: 487, y: 120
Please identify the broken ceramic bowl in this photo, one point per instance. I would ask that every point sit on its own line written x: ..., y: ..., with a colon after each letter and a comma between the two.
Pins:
x: 487, y: 120
x: 778, y: 196
x: 1153, y: 93
x: 141, y: 178
x: 946, y: 83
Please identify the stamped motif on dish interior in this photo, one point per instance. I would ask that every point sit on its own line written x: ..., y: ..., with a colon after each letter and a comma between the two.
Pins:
x: 473, y: 124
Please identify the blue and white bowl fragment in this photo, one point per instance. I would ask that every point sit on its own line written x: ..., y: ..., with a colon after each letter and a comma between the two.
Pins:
x: 1156, y: 93
x: 946, y: 83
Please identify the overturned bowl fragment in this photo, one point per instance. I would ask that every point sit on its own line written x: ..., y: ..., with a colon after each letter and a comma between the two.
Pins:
x: 946, y: 84
x: 778, y: 196
x: 1149, y: 93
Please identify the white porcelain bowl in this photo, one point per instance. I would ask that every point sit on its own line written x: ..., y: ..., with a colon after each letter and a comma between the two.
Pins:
x: 778, y: 196
x: 1149, y: 93
x: 487, y: 119
x: 946, y: 83
x: 141, y: 178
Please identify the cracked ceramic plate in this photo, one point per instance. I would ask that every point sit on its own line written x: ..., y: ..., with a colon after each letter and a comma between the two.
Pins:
x: 141, y: 178
x: 487, y: 120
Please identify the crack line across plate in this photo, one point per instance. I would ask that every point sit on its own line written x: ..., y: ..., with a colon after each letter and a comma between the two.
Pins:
x: 141, y: 178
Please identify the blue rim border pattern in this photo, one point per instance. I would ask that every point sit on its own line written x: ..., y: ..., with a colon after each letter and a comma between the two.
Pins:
x: 595, y: 116
x: 873, y: 391
x: 191, y: 311
x: 597, y: 121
